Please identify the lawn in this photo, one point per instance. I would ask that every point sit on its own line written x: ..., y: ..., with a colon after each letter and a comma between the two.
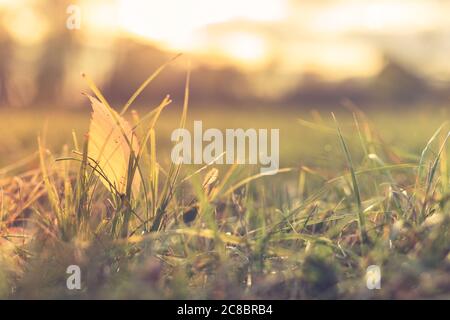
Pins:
x: 376, y: 194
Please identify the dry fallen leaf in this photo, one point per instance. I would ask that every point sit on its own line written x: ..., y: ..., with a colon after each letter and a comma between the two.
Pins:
x: 109, y: 147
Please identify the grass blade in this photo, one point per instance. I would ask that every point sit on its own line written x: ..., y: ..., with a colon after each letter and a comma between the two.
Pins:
x: 361, y: 219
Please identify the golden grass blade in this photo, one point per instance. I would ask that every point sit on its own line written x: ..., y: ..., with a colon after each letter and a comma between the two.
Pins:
x: 186, y: 98
x: 49, y: 186
x: 254, y: 177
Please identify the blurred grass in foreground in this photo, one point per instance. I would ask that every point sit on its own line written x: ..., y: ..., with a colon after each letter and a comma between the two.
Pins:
x: 291, y: 236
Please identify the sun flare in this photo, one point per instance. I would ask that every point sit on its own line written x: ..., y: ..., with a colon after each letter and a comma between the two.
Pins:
x: 178, y: 25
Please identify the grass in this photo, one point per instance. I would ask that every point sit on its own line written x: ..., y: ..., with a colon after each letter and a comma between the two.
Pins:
x: 349, y: 196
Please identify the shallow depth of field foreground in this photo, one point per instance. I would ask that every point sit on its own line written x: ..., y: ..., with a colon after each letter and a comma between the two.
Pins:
x: 139, y: 226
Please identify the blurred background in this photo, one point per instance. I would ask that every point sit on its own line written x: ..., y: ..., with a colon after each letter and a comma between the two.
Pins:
x: 285, y: 56
x: 293, y: 53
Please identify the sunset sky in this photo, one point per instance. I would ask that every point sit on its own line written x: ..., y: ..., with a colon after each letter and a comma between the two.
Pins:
x: 333, y: 38
x: 339, y: 38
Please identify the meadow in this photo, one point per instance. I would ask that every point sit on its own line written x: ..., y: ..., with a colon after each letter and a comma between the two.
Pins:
x: 364, y: 189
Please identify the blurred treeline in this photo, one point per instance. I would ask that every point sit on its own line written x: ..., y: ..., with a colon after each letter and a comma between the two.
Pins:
x: 46, y: 73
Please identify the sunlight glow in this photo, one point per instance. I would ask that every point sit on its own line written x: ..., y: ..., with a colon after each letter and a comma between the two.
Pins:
x: 336, y: 60
x: 247, y: 48
x: 100, y: 16
x: 177, y: 24
x: 26, y: 26
x: 334, y: 38
x: 383, y: 15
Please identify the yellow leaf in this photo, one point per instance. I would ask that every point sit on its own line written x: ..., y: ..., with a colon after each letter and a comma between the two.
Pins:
x: 110, y: 138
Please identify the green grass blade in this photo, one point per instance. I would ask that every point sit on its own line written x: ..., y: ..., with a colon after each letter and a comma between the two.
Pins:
x: 361, y: 219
